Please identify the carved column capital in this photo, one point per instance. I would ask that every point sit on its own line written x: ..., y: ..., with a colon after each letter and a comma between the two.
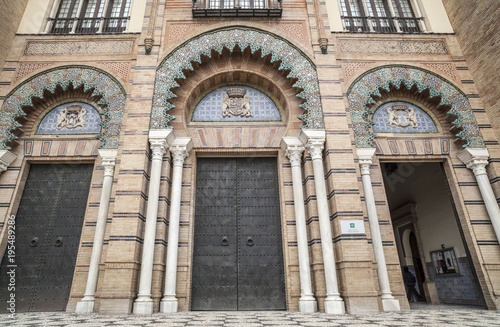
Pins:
x: 158, y: 142
x: 365, y: 157
x: 315, y: 148
x: 179, y: 153
x: 294, y: 154
x: 314, y: 141
x: 158, y: 147
x: 180, y: 149
x: 108, y: 158
x: 475, y: 159
x: 6, y: 158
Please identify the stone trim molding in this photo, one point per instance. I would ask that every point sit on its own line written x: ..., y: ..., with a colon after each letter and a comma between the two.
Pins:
x: 6, y: 158
x: 360, y: 94
x: 291, y: 57
x: 111, y: 106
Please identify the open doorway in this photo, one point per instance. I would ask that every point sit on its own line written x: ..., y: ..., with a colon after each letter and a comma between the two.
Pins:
x: 428, y: 235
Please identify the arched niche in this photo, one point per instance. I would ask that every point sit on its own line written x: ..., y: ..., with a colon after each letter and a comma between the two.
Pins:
x: 290, y: 58
x: 369, y: 85
x: 95, y: 82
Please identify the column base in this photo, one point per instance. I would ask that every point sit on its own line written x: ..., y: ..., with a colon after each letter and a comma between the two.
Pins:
x: 85, y: 306
x: 390, y: 305
x: 143, y: 307
x: 308, y: 305
x: 169, y: 305
x: 334, y: 307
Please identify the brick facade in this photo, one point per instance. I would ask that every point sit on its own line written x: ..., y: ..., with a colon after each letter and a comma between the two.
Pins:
x: 348, y: 56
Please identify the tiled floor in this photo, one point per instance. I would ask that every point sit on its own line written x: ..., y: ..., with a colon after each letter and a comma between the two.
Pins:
x: 420, y: 315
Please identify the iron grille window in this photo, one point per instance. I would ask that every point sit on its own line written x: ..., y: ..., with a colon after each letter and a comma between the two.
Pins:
x: 91, y: 16
x: 237, y: 8
x: 65, y: 17
x: 376, y: 16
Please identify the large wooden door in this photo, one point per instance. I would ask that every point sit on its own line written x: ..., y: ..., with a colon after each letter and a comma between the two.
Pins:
x: 238, y: 255
x: 48, y: 226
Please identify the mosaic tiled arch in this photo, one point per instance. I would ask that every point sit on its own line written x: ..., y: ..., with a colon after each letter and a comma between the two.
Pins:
x: 290, y: 56
x: 101, y: 83
x: 367, y: 85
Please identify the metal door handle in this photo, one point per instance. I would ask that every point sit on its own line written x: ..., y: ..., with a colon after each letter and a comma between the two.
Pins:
x: 58, y: 242
x: 249, y: 241
x: 225, y: 242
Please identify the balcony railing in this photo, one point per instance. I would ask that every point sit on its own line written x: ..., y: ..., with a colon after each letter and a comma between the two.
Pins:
x: 87, y: 25
x: 237, y: 8
x: 381, y: 24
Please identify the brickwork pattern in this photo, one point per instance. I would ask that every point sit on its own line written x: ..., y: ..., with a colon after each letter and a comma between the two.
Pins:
x: 477, y: 33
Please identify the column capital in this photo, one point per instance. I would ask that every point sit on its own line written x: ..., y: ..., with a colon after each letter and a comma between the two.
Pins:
x: 293, y: 148
x: 159, y: 140
x: 365, y: 157
x: 475, y: 159
x: 180, y: 149
x: 6, y: 158
x: 314, y: 141
x: 108, y: 158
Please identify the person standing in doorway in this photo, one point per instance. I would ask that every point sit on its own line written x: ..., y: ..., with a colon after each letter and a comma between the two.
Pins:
x: 410, y: 281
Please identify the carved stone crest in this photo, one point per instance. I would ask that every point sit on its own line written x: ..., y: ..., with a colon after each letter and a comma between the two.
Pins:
x: 236, y: 102
x: 71, y: 117
x: 401, y: 116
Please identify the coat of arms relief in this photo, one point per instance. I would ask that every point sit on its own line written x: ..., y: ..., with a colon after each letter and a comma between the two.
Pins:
x: 236, y: 102
x: 401, y: 116
x: 71, y: 117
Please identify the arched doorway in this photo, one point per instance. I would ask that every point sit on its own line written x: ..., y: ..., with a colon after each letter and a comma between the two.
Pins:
x: 400, y: 110
x: 68, y: 116
x: 192, y: 85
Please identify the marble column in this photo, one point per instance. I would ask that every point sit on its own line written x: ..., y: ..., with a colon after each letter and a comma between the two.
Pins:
x: 476, y: 159
x: 6, y: 158
x: 159, y: 141
x: 293, y: 150
x: 108, y: 158
x: 314, y: 141
x: 180, y: 150
x: 389, y: 303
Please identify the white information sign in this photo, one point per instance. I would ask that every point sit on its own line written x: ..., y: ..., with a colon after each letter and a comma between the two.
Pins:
x: 352, y: 227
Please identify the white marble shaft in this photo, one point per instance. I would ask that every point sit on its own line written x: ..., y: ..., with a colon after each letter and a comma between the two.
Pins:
x: 180, y: 150
x: 477, y: 160
x: 314, y: 141
x: 293, y: 150
x: 389, y: 303
x: 108, y: 158
x: 159, y: 140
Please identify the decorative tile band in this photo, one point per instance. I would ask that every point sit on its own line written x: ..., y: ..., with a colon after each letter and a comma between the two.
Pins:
x: 392, y: 46
x: 110, y: 107
x: 360, y: 94
x: 57, y: 48
x: 292, y: 59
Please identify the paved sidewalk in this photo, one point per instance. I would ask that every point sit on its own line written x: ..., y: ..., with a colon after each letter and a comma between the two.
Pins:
x: 420, y: 315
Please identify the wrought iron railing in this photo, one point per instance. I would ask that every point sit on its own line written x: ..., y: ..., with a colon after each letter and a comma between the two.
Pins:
x: 381, y: 24
x: 88, y: 25
x: 237, y: 8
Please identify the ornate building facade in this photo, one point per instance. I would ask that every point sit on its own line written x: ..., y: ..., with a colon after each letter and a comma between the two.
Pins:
x: 244, y: 155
